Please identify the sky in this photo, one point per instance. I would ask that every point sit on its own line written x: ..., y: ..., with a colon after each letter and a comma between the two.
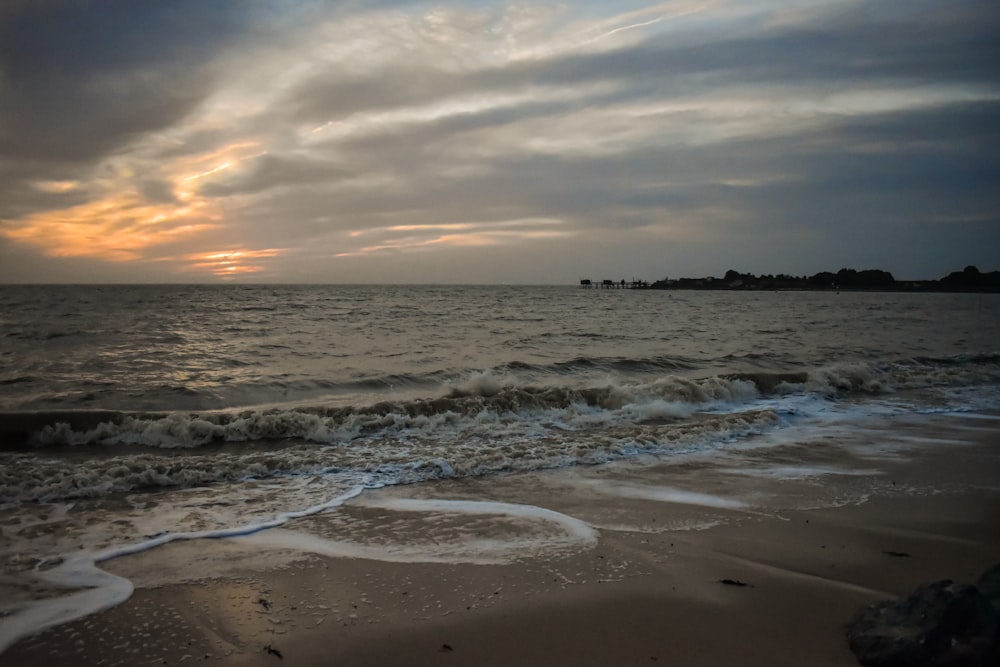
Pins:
x: 311, y: 141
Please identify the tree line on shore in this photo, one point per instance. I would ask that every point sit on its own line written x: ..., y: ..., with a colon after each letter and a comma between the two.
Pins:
x: 970, y: 279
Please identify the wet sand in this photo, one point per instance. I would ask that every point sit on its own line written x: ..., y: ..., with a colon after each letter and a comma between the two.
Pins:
x: 647, y: 590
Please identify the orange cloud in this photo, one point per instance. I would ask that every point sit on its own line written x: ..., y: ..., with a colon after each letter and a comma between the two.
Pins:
x: 228, y: 263
x: 186, y: 172
x: 120, y: 224
x: 55, y: 187
x: 456, y: 234
x: 119, y: 227
x: 486, y: 238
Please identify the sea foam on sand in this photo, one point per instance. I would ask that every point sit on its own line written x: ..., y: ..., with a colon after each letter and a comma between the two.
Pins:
x: 585, y: 566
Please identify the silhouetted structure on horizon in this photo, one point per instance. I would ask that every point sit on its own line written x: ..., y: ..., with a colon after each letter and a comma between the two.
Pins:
x: 970, y: 279
x: 611, y: 284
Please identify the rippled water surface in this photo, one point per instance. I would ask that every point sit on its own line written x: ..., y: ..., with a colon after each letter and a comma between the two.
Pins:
x: 211, y: 347
x: 135, y: 416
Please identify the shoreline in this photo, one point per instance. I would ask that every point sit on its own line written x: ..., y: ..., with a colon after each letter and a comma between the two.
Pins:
x: 648, y: 591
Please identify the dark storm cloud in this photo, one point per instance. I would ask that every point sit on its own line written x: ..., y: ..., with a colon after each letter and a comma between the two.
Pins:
x: 18, y: 199
x: 825, y: 180
x: 80, y: 79
x: 923, y: 173
x: 767, y: 132
x: 923, y: 164
x: 858, y: 48
x: 275, y: 172
x: 954, y: 43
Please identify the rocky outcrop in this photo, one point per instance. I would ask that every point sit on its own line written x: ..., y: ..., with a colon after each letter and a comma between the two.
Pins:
x: 941, y: 624
x: 989, y: 585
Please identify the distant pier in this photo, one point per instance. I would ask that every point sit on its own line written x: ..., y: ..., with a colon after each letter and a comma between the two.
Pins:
x: 587, y: 283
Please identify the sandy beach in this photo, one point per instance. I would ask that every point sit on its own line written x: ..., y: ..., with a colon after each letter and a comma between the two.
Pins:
x: 475, y: 583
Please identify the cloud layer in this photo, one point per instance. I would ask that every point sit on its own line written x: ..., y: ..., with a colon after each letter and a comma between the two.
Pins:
x: 487, y: 142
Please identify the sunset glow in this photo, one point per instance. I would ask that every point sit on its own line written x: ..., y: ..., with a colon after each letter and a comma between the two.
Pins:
x: 231, y: 263
x: 56, y: 186
x: 124, y: 225
x: 120, y: 228
x: 524, y: 143
x: 456, y: 309
x: 224, y: 165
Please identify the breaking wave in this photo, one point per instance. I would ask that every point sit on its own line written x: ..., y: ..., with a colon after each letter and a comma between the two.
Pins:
x: 486, y: 424
x: 482, y: 400
x: 487, y: 399
x: 473, y: 448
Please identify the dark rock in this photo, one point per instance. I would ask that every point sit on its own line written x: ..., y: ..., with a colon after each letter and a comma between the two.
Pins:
x: 941, y: 624
x: 732, y: 582
x: 989, y: 585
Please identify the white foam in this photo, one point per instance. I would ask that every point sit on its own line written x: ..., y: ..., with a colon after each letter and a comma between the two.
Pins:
x: 670, y: 526
x: 482, y: 383
x: 103, y: 590
x: 928, y: 440
x: 666, y: 494
x: 701, y: 391
x: 800, y: 472
x: 658, y: 409
x: 574, y: 527
x: 569, y: 533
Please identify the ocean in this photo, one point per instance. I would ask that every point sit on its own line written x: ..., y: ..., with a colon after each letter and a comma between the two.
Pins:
x: 135, y: 416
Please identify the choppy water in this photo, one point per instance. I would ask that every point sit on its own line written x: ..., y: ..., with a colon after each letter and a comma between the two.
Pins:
x: 132, y: 416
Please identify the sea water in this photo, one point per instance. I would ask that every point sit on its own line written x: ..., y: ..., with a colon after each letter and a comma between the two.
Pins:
x: 134, y: 416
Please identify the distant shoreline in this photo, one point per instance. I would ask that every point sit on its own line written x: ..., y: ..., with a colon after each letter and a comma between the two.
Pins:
x: 969, y: 280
